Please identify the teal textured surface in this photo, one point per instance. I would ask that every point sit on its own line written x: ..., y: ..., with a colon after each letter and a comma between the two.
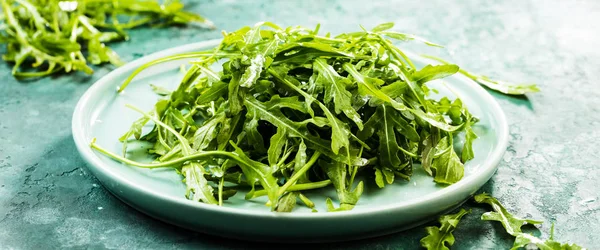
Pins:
x: 549, y: 172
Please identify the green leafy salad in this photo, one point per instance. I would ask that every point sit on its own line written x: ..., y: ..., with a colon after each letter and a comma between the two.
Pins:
x: 44, y: 37
x: 292, y: 110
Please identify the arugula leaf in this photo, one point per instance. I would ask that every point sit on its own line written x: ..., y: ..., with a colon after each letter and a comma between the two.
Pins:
x: 252, y: 71
x: 408, y: 37
x: 291, y: 102
x: 371, y: 126
x: 339, y: 133
x: 197, y: 186
x: 287, y: 202
x: 441, y: 238
x: 307, y: 202
x: 430, y: 73
x: 300, y: 161
x: 181, y: 94
x: 379, y: 179
x: 446, y: 167
x: 278, y: 140
x: 228, y: 128
x: 338, y: 173
x: 467, y: 150
x: 235, y: 95
x: 252, y: 135
x: 524, y: 239
x: 382, y: 27
x: 216, y: 91
x: 136, y: 129
x: 383, y: 176
x: 258, y: 172
x: 395, y: 90
x: 388, y: 144
x: 511, y: 223
x: 207, y: 133
x: 335, y: 88
x: 500, y: 86
x: 368, y: 87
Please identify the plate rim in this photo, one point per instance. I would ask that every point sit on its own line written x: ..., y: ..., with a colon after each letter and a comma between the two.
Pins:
x: 93, y: 160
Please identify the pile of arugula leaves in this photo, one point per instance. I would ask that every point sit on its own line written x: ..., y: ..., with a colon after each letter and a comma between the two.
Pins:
x: 43, y: 37
x: 292, y: 110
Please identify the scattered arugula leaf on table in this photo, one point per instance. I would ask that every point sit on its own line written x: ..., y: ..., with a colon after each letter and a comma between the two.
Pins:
x: 441, y: 238
x: 513, y: 225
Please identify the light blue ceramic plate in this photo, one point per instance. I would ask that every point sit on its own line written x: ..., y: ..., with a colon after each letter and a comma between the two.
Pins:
x: 160, y: 193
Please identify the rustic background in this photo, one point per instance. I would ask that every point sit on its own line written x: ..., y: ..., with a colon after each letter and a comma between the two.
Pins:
x: 550, y: 170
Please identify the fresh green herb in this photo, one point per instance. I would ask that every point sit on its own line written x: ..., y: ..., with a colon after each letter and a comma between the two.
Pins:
x: 500, y: 86
x: 525, y: 239
x: 441, y: 238
x: 292, y: 110
x: 513, y: 225
x: 55, y: 35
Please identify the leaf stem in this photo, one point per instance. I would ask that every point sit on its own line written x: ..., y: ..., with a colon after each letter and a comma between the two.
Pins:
x: 407, y: 152
x: 300, y: 172
x: 185, y: 147
x: 221, y: 182
x: 297, y: 187
x: 171, y: 163
x: 306, y: 201
x: 166, y: 59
